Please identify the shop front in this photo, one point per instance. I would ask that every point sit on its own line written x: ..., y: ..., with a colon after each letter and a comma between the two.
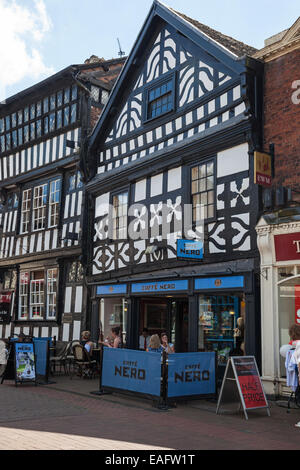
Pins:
x: 198, y: 314
x: 279, y: 245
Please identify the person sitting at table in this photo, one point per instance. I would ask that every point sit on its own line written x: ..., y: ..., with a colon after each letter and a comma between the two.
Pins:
x: 117, y: 340
x: 167, y: 347
x: 144, y: 339
x: 154, y: 344
x: 86, y: 341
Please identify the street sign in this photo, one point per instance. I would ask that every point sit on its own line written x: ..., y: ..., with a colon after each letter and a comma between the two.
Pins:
x: 242, y: 385
x: 262, y: 169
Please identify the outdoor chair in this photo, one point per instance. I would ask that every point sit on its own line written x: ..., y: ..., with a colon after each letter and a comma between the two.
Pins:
x: 70, y: 355
x: 59, y: 360
x: 84, y: 366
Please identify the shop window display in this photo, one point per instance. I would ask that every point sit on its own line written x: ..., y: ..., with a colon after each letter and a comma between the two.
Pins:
x: 113, y: 313
x: 221, y: 325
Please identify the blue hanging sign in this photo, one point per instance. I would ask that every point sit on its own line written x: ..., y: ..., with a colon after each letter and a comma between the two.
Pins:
x: 228, y: 282
x: 191, y: 374
x: 136, y: 371
x: 115, y: 289
x: 191, y: 249
x: 160, y: 286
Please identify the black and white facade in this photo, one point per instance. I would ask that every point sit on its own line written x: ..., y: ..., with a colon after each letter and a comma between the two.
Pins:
x: 180, y: 128
x: 42, y: 171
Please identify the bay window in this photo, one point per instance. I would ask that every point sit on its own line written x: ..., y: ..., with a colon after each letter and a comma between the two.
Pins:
x: 38, y: 294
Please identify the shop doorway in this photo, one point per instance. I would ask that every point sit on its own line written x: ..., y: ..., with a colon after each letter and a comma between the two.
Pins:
x: 168, y: 315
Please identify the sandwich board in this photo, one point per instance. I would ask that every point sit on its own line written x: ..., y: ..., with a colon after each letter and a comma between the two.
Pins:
x: 241, y: 384
x: 21, y: 363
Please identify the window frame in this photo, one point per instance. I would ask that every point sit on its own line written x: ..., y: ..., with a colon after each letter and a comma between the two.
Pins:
x: 30, y: 211
x: 155, y: 84
x: 27, y: 294
x: 114, y: 194
x: 197, y: 163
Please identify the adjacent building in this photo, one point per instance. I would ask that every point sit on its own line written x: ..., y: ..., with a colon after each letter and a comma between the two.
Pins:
x: 43, y: 131
x: 179, y: 130
x: 279, y: 228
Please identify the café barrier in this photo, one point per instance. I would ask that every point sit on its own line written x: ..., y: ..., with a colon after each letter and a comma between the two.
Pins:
x: 157, y: 375
x: 42, y: 355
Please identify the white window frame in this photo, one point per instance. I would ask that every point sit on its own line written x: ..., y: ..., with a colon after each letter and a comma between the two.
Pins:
x: 25, y: 210
x: 39, y: 207
x: 37, y: 293
x: 54, y: 202
x: 52, y: 277
x: 120, y: 215
x: 23, y: 295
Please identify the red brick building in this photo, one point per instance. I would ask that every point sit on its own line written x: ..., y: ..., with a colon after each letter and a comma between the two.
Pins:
x: 281, y: 55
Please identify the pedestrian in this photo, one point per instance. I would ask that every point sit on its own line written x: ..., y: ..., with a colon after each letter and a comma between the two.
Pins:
x: 86, y: 341
x: 117, y: 341
x: 154, y: 344
x: 144, y: 339
x: 166, y: 346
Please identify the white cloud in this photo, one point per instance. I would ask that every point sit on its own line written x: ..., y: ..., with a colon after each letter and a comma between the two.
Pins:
x: 21, y: 31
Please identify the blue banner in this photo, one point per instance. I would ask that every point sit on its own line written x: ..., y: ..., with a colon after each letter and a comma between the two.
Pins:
x: 160, y: 286
x: 191, y: 374
x: 114, y: 289
x: 41, y: 353
x: 136, y: 371
x: 228, y: 282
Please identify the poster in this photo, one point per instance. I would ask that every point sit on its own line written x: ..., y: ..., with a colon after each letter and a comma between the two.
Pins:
x: 250, y: 383
x: 25, y: 362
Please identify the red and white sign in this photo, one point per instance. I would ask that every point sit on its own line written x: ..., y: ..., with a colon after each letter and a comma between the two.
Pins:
x: 5, y: 298
x: 250, y: 383
x: 287, y: 246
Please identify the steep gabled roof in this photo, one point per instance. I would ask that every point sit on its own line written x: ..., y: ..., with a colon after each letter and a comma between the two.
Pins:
x: 238, y: 48
x: 224, y: 48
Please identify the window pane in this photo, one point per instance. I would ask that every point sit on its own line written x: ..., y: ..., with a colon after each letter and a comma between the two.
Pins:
x: 67, y: 95
x: 26, y: 114
x: 73, y: 113
x: 32, y: 111
x: 66, y: 116
x: 46, y: 105
x: 14, y: 120
x: 59, y: 119
x: 52, y: 102
x: 39, y: 108
x: 59, y: 99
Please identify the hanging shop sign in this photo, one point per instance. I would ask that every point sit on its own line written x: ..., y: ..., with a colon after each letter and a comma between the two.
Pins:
x: 5, y: 307
x: 191, y: 374
x: 190, y: 249
x: 160, y: 286
x: 242, y: 384
x: 114, y: 289
x: 262, y: 169
x: 228, y: 282
x: 287, y: 246
x: 134, y: 371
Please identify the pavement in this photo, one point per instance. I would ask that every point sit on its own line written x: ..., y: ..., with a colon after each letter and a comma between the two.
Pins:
x: 65, y: 415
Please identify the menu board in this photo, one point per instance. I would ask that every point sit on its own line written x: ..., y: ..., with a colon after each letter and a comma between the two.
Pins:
x: 250, y: 383
x: 25, y: 362
x: 242, y: 384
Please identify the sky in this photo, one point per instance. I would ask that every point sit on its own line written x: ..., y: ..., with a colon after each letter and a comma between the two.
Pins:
x: 40, y: 37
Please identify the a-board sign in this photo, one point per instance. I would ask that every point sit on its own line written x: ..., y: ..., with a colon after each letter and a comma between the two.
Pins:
x: 25, y: 362
x: 242, y: 384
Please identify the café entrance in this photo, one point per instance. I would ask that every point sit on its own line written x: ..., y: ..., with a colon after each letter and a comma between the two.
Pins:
x: 166, y: 314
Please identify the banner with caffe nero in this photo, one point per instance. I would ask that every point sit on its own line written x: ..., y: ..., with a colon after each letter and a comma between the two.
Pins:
x: 135, y: 371
x: 191, y: 374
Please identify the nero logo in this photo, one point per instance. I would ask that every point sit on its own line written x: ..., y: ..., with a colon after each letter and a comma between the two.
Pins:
x: 191, y: 376
x: 130, y: 372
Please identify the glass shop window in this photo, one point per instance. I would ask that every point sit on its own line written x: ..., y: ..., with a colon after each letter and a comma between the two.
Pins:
x: 288, y: 307
x: 221, y: 320
x: 113, y: 313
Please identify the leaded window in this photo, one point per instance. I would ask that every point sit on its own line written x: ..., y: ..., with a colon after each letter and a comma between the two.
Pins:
x: 51, y: 293
x: 54, y: 201
x: 25, y: 210
x: 39, y: 207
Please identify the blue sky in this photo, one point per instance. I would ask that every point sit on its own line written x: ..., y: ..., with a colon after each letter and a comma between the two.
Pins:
x: 47, y: 35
